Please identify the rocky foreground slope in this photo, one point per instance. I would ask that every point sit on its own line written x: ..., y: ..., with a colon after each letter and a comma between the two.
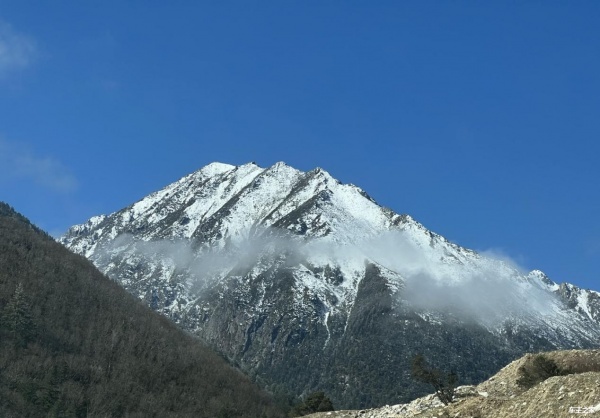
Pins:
x: 308, y: 284
x: 571, y: 395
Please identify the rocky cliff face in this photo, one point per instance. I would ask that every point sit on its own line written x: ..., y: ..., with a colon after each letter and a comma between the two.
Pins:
x: 308, y: 284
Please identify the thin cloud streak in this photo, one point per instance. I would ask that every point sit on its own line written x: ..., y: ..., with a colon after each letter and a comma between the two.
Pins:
x: 17, y: 51
x: 593, y: 248
x: 17, y: 163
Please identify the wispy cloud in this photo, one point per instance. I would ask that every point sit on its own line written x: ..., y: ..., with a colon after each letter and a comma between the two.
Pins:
x: 488, y: 288
x: 18, y: 162
x: 592, y: 248
x: 16, y: 50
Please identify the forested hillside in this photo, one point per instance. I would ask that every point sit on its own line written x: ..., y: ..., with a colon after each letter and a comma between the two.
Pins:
x: 74, y: 343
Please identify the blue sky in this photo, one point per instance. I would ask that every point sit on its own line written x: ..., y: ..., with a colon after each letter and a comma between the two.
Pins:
x: 479, y: 119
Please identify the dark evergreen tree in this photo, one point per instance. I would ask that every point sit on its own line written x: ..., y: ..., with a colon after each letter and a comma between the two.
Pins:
x: 16, y: 318
x: 315, y: 402
x: 537, y: 370
x: 443, y: 384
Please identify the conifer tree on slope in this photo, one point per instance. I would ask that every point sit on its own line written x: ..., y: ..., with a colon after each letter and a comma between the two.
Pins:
x: 16, y: 318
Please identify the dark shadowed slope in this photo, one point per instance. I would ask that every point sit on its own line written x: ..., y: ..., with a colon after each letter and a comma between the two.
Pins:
x: 74, y: 343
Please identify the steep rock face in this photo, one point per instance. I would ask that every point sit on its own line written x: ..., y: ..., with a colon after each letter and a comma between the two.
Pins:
x: 308, y: 284
x: 584, y: 301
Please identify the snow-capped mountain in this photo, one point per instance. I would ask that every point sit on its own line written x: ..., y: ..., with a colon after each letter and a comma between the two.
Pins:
x: 308, y: 283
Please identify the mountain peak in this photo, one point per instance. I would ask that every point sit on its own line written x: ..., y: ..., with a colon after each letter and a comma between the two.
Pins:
x: 216, y: 168
x: 269, y: 264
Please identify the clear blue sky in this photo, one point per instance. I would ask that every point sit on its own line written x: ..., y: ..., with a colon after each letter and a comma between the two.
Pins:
x: 479, y: 119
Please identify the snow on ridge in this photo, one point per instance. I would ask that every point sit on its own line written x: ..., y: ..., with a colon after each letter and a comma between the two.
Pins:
x: 362, y: 210
x: 214, y: 194
x: 95, y: 220
x: 216, y: 168
x: 202, y: 193
x: 91, y: 223
x: 320, y: 173
x: 582, y: 303
x: 541, y: 279
x: 585, y: 300
x: 265, y: 191
x: 211, y: 170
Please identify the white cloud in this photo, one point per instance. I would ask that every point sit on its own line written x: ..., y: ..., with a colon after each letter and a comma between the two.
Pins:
x: 16, y: 50
x: 489, y: 288
x: 17, y: 162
